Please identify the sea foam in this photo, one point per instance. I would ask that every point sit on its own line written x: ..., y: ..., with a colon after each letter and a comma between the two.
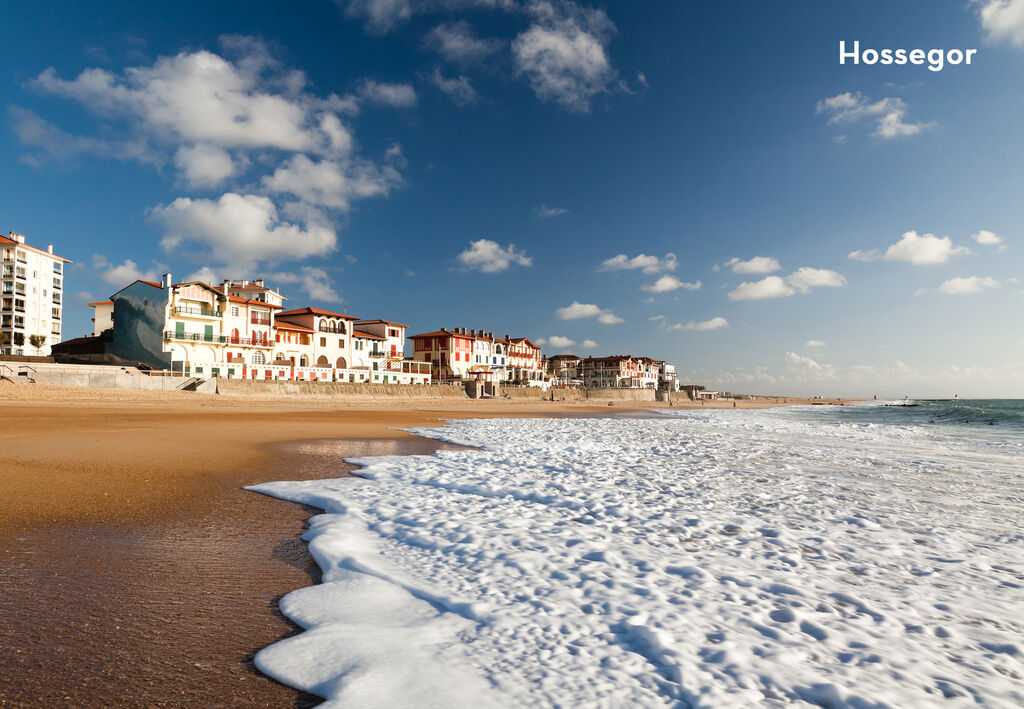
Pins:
x: 712, y: 559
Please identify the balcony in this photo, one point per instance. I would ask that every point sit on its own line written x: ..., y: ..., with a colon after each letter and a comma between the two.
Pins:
x: 259, y: 319
x: 194, y: 337
x: 201, y: 312
x: 249, y: 341
x: 376, y: 354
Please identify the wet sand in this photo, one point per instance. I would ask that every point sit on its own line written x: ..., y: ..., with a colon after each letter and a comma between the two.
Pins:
x: 135, y: 571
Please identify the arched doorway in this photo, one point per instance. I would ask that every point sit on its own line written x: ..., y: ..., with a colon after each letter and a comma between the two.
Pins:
x: 304, y: 361
x: 322, y: 362
x: 341, y: 364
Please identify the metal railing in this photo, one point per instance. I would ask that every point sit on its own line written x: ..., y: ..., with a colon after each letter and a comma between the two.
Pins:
x: 193, y: 337
x: 205, y: 312
x: 257, y: 320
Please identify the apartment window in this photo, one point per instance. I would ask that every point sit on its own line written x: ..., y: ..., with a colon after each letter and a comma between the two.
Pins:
x: 359, y: 345
x: 341, y: 344
x: 56, y: 268
x: 323, y: 342
x: 21, y: 257
x: 55, y: 312
x: 21, y: 272
x: 56, y: 298
x: 234, y: 311
x: 392, y: 333
x: 56, y: 283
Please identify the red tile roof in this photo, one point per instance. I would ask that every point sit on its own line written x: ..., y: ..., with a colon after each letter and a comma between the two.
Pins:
x: 438, y: 333
x: 236, y: 299
x: 100, y: 302
x: 357, y: 333
x: 285, y: 325
x: 317, y: 311
x: 385, y: 322
x: 5, y: 241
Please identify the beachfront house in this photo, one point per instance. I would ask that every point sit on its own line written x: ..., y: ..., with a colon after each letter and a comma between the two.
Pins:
x: 332, y: 351
x: 564, y: 368
x: 102, y: 316
x: 382, y: 343
x: 524, y: 362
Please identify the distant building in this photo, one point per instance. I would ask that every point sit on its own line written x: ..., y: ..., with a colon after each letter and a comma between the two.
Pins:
x: 564, y: 368
x: 32, y: 291
x: 102, y: 316
x: 459, y: 354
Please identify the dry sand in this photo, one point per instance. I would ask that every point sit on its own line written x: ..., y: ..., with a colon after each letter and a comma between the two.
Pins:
x: 134, y: 571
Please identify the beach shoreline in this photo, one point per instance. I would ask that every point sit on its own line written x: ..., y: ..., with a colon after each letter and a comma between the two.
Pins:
x: 134, y: 558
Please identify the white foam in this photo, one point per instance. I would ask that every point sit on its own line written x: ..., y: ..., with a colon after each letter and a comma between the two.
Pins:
x: 711, y: 559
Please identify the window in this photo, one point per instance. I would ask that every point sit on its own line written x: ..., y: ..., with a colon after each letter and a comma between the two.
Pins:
x: 56, y: 298
x: 341, y: 344
x: 56, y: 268
x: 257, y: 357
x: 234, y: 311
x: 323, y: 342
x: 392, y: 333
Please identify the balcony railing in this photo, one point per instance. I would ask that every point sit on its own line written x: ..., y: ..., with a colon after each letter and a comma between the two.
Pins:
x: 193, y: 336
x: 249, y: 341
x: 191, y: 310
x: 376, y: 353
x: 259, y: 320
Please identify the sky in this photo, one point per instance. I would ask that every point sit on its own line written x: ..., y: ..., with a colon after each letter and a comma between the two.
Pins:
x: 698, y: 182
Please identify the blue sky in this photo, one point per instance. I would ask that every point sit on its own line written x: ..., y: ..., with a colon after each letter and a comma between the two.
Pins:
x: 570, y: 171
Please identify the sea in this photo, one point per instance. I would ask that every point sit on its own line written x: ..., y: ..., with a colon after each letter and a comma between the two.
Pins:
x: 866, y: 555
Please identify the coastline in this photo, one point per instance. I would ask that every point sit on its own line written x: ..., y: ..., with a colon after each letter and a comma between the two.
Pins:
x: 132, y: 556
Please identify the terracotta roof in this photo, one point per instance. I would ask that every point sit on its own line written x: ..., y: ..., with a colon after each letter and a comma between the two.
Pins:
x: 566, y: 356
x: 438, y: 333
x: 357, y: 333
x: 236, y: 299
x: 148, y: 283
x: 526, y: 340
x: 100, y: 302
x: 317, y: 311
x: 285, y: 325
x: 385, y: 322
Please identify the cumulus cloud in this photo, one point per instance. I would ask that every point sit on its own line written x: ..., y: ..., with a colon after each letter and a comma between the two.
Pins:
x: 560, y: 343
x: 803, y: 279
x: 545, y: 212
x: 589, y: 345
x: 239, y: 229
x: 313, y: 281
x: 668, y: 283
x: 577, y: 311
x: 124, y: 273
x: 887, y: 115
x: 488, y: 256
x: 966, y: 285
x: 380, y: 15
x: 799, y: 281
x: 864, y: 256
x: 457, y: 43
x: 987, y: 238
x: 48, y: 143
x: 758, y: 264
x: 814, y: 344
x: 387, y: 94
x: 204, y: 165
x: 808, y: 368
x: 713, y: 324
x: 922, y: 250
x: 648, y: 264
x: 459, y: 89
x: 1002, y: 20
x: 563, y: 54
x: 218, y: 118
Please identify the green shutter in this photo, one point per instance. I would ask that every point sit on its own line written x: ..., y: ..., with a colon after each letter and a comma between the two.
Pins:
x: 208, y: 333
x: 179, y: 330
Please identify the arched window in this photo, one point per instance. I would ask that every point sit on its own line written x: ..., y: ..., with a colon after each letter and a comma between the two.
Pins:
x: 257, y: 357
x: 322, y: 362
x: 341, y: 328
x: 341, y: 364
x: 497, y: 348
x: 304, y: 361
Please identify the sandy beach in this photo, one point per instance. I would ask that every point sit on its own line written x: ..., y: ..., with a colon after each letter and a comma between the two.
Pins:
x: 137, y: 572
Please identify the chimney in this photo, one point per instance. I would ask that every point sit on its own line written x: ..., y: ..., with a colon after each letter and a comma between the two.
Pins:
x: 259, y: 282
x: 49, y: 248
x: 165, y: 280
x: 224, y: 287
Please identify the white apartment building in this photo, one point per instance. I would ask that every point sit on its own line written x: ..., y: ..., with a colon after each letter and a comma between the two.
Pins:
x: 102, y: 316
x: 32, y: 295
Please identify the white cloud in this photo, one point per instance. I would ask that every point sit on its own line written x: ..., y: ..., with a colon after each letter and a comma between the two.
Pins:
x: 656, y: 317
x: 48, y: 142
x: 387, y: 94
x: 459, y: 89
x: 124, y: 273
x: 589, y: 345
x: 758, y: 264
x: 799, y: 281
x: 558, y: 342
x: 864, y: 256
x: 887, y: 114
x: 815, y: 344
x: 577, y: 311
x: 803, y: 279
x: 563, y: 55
x: 923, y: 250
x: 240, y: 230
x: 1002, y: 20
x: 986, y: 237
x: 807, y: 367
x: 648, y: 264
x: 767, y: 287
x: 205, y: 274
x: 332, y: 184
x: 456, y: 42
x: 713, y: 324
x: 545, y: 212
x: 380, y: 15
x: 313, y: 281
x: 488, y: 257
x: 204, y: 165
x: 967, y: 284
x: 667, y: 284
